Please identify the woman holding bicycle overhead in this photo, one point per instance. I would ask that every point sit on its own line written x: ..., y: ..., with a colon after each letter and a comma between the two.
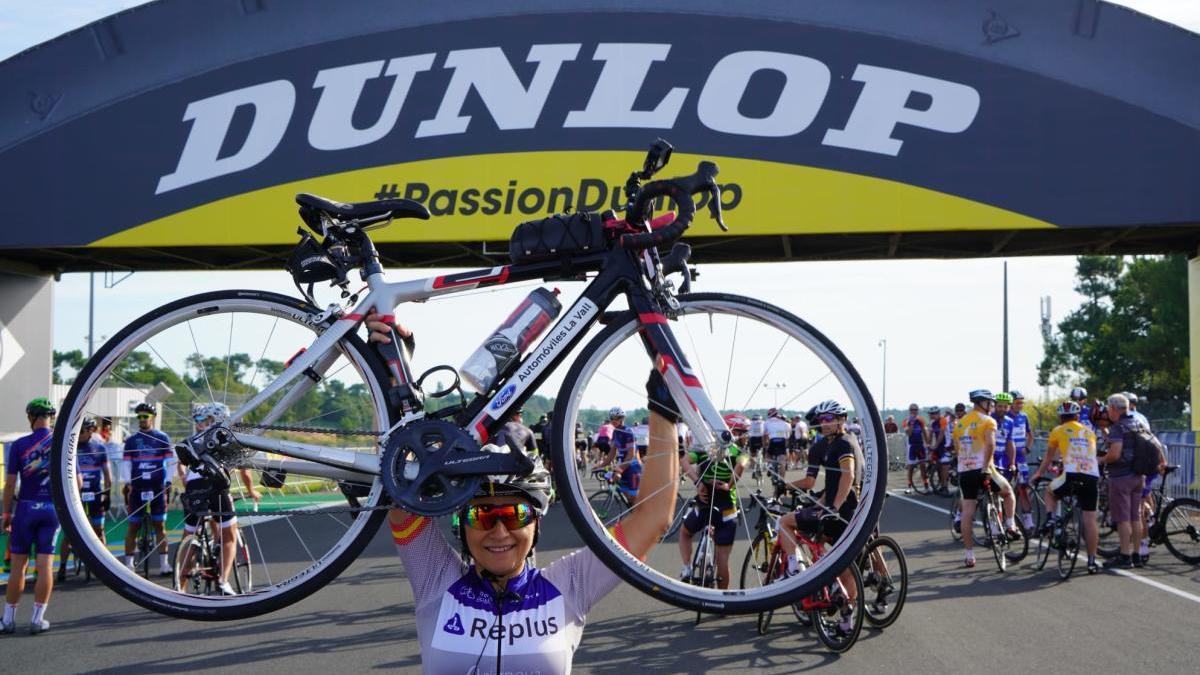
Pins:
x: 489, y: 609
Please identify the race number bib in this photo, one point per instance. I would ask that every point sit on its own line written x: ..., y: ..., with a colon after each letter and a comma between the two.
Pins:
x: 147, y: 475
x: 88, y: 496
x: 148, y: 495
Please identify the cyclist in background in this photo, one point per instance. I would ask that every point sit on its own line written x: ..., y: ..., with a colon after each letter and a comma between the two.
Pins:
x: 939, y: 431
x: 147, y: 454
x: 776, y: 431
x: 604, y: 439
x: 757, y: 431
x: 33, y: 523
x: 914, y: 427
x: 1079, y: 395
x: 1074, y: 445
x: 800, y: 438
x: 716, y: 504
x: 1004, y: 454
x: 517, y: 436
x: 641, y: 436
x: 624, y: 453
x: 224, y: 522
x: 95, y: 485
x: 1019, y: 433
x: 838, y: 453
x: 975, y: 444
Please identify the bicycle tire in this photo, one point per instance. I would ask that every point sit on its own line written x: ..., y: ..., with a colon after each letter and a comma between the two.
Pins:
x: 242, y: 572
x: 650, y: 581
x: 755, y: 561
x: 897, y: 579
x: 676, y: 520
x: 1068, y: 551
x: 956, y: 526
x: 344, y: 550
x: 774, y: 569
x: 1017, y: 550
x: 604, y: 503
x: 827, y: 630
x: 188, y: 543
x: 1183, y: 528
x: 143, y: 548
x: 997, y: 540
x: 1045, y: 540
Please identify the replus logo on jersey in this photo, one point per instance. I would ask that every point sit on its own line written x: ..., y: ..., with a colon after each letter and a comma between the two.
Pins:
x: 880, y: 101
x: 511, y: 632
x: 454, y: 626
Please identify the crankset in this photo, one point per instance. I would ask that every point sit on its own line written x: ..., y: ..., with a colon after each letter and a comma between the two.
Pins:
x: 432, y: 467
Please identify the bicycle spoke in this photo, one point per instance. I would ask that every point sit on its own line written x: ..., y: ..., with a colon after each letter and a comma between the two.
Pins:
x: 767, y: 371
x: 200, y: 361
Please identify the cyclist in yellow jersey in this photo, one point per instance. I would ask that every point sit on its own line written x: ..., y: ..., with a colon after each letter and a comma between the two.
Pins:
x: 975, y: 444
x: 1075, y: 445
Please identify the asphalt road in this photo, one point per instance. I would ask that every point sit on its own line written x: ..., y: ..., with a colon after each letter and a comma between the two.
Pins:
x: 955, y: 620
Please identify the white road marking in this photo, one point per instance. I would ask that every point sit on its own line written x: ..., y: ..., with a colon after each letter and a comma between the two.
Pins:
x: 1125, y: 573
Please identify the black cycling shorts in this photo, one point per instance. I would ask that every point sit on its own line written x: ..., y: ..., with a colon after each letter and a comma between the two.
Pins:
x: 219, y: 503
x: 971, y: 481
x: 1087, y: 490
x: 778, y: 447
x: 755, y: 443
x: 724, y: 531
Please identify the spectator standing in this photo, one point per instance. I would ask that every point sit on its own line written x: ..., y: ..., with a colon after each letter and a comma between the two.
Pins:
x: 890, y: 426
x: 1124, y: 486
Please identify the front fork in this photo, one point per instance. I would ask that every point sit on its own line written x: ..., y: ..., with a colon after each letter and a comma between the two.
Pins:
x: 694, y: 405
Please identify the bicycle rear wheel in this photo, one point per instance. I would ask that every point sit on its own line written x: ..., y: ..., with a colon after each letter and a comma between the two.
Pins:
x: 731, y: 343
x: 1181, y: 534
x: 225, y: 347
x: 828, y: 621
x: 1068, y: 551
x: 994, y: 531
x: 776, y: 566
x: 242, y: 573
x: 884, y: 571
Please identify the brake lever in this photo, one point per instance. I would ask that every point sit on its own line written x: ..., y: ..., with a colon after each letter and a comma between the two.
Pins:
x: 714, y: 206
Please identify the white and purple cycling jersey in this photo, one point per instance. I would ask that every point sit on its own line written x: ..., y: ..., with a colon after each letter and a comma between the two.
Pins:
x: 465, y: 626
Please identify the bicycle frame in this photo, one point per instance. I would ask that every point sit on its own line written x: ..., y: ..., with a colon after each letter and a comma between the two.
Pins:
x: 618, y: 271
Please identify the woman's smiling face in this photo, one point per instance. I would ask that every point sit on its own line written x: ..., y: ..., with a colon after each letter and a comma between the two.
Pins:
x: 499, y: 550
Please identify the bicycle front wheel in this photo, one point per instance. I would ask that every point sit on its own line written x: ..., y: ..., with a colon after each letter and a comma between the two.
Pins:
x: 830, y: 623
x: 225, y: 347
x: 1181, y: 521
x: 732, y: 344
x: 884, y: 570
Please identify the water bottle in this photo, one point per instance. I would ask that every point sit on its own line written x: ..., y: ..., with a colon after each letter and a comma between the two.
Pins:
x: 514, y: 335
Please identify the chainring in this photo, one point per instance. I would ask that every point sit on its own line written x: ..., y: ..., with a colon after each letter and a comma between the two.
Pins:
x: 411, y: 464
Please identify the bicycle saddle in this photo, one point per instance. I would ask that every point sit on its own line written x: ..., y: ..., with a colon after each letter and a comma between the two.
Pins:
x: 395, y: 208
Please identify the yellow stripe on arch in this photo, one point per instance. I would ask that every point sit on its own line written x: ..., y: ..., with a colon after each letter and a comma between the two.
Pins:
x: 776, y: 198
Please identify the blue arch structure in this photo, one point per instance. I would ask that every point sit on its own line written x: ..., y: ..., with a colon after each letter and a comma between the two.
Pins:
x: 172, y: 135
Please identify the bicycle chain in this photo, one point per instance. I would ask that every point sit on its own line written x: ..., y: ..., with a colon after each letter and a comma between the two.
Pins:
x: 304, y: 430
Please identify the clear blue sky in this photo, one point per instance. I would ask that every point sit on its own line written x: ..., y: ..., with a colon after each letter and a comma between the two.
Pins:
x: 941, y: 319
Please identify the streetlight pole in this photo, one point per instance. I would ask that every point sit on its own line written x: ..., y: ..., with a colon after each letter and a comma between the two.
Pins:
x: 775, y: 391
x: 883, y: 392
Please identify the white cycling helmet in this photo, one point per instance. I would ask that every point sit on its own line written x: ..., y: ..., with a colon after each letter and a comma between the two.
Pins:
x: 615, y: 412
x: 829, y: 407
x: 219, y: 412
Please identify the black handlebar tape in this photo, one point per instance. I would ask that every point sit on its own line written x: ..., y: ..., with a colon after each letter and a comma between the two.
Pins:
x: 679, y: 190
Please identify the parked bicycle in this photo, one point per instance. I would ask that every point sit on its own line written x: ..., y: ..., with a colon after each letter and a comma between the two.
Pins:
x: 1173, y: 522
x: 429, y: 459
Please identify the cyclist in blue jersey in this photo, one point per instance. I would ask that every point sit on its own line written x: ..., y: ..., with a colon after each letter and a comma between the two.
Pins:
x: 623, y: 452
x: 145, y: 469
x: 1079, y: 395
x: 33, y: 523
x: 914, y: 429
x: 1004, y: 455
x: 1020, y: 431
x: 488, y: 609
x: 95, y: 485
